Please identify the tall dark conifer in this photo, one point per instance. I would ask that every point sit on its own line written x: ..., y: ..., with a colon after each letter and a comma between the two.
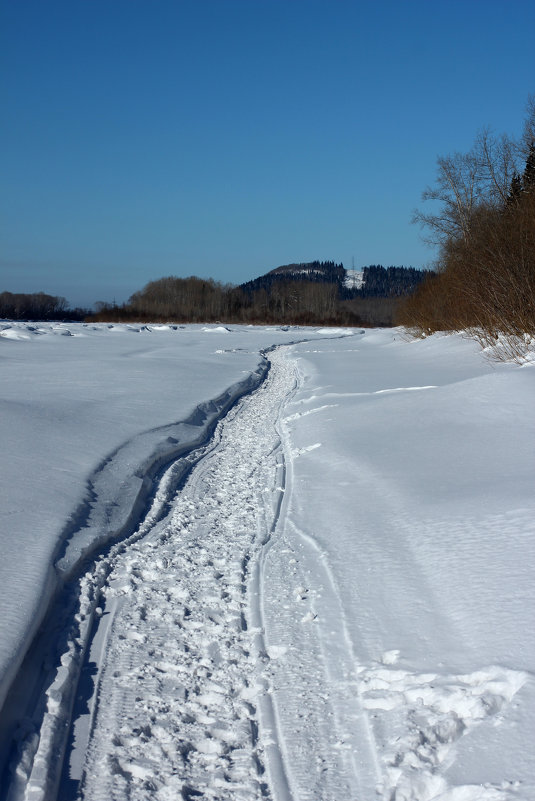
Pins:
x: 515, y: 192
x: 528, y: 180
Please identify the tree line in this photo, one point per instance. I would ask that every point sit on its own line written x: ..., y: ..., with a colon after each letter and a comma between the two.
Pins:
x: 281, y: 301
x: 197, y: 300
x: 484, y: 227
x: 284, y: 296
x: 37, y: 306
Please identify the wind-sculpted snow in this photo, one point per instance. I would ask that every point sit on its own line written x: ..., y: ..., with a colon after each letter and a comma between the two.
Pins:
x: 405, y: 573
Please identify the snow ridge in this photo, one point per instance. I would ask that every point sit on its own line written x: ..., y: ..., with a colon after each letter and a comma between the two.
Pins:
x: 106, y: 518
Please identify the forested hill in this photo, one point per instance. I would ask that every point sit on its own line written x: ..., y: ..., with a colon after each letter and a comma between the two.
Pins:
x: 374, y: 281
x: 325, y: 272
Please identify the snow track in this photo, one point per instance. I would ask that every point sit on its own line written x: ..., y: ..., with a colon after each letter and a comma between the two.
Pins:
x: 196, y: 691
x: 173, y: 678
x: 172, y: 709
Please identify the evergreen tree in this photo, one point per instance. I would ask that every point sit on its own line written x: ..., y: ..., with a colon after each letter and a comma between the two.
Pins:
x: 528, y: 181
x: 515, y: 192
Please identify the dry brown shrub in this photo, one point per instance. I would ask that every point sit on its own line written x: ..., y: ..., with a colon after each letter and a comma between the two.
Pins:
x: 487, y: 283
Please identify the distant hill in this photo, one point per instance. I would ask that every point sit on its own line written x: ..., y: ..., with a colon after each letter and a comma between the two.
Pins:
x: 374, y: 281
x: 325, y: 272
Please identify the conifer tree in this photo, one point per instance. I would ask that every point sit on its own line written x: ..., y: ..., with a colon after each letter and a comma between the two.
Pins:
x: 528, y: 181
x: 515, y: 192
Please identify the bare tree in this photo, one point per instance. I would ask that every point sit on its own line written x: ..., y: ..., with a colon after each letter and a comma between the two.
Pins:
x: 485, y: 227
x: 499, y: 160
x: 458, y: 190
x: 467, y: 183
x: 528, y: 135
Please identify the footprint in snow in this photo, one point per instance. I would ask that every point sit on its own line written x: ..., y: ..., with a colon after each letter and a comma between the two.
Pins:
x: 437, y: 709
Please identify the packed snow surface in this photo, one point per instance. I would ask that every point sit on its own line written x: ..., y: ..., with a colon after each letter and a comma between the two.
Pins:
x: 330, y: 597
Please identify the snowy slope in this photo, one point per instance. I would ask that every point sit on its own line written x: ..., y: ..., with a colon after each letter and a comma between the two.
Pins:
x: 354, y: 279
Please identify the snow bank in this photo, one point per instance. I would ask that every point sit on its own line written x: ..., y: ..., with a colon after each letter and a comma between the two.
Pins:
x: 218, y: 329
x: 411, y: 520
x: 338, y: 331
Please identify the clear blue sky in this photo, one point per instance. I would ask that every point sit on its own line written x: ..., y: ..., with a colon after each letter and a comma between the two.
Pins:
x: 222, y: 138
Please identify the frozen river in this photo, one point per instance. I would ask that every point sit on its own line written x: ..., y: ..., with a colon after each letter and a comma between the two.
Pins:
x: 327, y: 595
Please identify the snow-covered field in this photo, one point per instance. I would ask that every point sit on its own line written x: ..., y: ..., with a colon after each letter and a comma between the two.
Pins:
x: 328, y: 597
